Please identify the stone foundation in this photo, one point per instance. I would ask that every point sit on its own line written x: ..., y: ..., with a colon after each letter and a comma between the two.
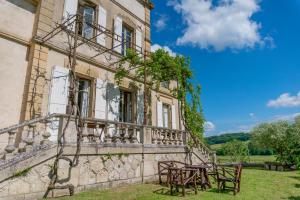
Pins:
x: 99, y: 167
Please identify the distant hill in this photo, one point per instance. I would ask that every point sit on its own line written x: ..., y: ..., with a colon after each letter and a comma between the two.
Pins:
x: 221, y: 139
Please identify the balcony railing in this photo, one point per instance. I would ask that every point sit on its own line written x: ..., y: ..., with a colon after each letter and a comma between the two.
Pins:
x: 45, y: 131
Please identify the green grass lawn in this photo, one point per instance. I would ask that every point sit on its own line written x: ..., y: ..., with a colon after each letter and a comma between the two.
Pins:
x: 256, y: 184
x: 256, y: 159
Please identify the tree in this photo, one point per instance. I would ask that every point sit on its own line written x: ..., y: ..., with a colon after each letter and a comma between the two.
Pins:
x: 160, y: 67
x: 283, y: 137
x: 237, y: 150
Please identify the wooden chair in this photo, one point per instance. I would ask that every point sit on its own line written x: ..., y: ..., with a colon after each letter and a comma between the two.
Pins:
x: 229, y: 175
x: 212, y: 171
x: 163, y: 167
x: 182, y: 177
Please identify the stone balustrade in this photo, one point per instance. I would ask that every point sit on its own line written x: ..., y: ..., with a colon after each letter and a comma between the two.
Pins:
x: 166, y: 136
x: 47, y: 130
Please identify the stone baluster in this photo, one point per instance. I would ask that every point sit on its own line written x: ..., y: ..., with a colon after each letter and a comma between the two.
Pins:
x: 10, y: 148
x: 179, y: 136
x: 29, y: 140
x: 97, y: 136
x: 107, y: 136
x: 165, y: 135
x: 133, y: 138
x: 175, y: 140
x: 170, y: 140
x: 126, y: 135
x: 46, y: 134
x: 117, y: 136
x: 85, y: 133
x: 154, y: 136
x: 159, y: 136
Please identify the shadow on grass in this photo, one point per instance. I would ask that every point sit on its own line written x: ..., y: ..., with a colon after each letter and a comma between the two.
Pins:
x: 294, y: 198
x: 214, y: 190
x: 297, y: 185
x: 178, y: 193
x: 295, y: 177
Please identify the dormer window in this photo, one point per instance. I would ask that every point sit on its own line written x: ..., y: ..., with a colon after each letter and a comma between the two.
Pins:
x: 87, y: 12
x: 127, y: 38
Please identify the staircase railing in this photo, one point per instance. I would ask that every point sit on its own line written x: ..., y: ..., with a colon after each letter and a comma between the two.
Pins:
x: 206, y: 152
x: 31, y: 132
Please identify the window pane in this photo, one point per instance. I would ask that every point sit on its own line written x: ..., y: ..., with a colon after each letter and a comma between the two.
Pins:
x: 125, y: 107
x: 165, y: 116
x: 88, y: 15
x: 83, y: 97
x: 126, y: 39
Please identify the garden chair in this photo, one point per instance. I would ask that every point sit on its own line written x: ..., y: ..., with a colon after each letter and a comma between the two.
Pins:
x: 182, y: 177
x: 229, y: 175
x: 163, y: 167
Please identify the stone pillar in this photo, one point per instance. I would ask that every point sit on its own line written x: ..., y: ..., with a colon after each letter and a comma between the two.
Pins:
x: 36, y: 74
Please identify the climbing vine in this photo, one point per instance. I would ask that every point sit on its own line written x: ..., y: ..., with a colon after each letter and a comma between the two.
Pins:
x: 161, y: 67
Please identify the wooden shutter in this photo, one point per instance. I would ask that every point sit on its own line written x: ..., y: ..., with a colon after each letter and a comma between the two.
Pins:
x: 139, y: 41
x: 159, y: 114
x: 173, y: 117
x: 117, y: 34
x: 102, y: 22
x: 100, y: 104
x: 140, y: 107
x: 58, y: 98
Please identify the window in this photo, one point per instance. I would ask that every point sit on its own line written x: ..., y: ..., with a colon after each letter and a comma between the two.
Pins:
x: 83, y: 97
x: 165, y: 84
x: 125, y: 106
x: 127, y: 38
x: 87, y: 13
x: 166, y: 112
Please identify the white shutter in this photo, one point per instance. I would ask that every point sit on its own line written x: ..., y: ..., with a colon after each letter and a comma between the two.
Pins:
x: 70, y: 8
x: 173, y: 117
x: 140, y: 107
x: 159, y: 114
x: 138, y: 42
x: 58, y: 98
x: 59, y: 90
x: 113, y: 101
x: 118, y: 34
x: 100, y: 104
x: 102, y: 22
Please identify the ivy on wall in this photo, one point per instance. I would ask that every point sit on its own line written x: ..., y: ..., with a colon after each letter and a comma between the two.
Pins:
x: 161, y: 67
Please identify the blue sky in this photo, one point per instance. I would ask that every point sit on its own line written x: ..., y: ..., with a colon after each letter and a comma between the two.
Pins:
x: 244, y: 53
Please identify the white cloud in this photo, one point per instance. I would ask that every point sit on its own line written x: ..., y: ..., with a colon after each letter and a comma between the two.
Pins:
x: 226, y: 25
x: 154, y: 47
x: 289, y: 117
x: 209, y: 126
x: 285, y: 100
x: 252, y: 115
x: 161, y: 23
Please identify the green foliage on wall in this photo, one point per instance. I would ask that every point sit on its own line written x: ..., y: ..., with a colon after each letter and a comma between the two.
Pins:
x: 161, y: 67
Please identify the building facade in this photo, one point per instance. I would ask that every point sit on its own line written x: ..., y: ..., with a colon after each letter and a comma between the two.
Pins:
x: 115, y: 147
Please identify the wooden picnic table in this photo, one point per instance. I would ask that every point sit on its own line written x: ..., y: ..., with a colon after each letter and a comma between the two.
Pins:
x: 203, y: 175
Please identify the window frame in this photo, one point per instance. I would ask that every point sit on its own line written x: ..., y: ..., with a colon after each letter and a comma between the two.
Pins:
x: 82, y: 4
x: 169, y: 110
x: 132, y: 101
x: 132, y: 42
x: 91, y: 92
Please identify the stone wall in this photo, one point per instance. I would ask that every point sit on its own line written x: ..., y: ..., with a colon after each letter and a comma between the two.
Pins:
x: 99, y: 167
